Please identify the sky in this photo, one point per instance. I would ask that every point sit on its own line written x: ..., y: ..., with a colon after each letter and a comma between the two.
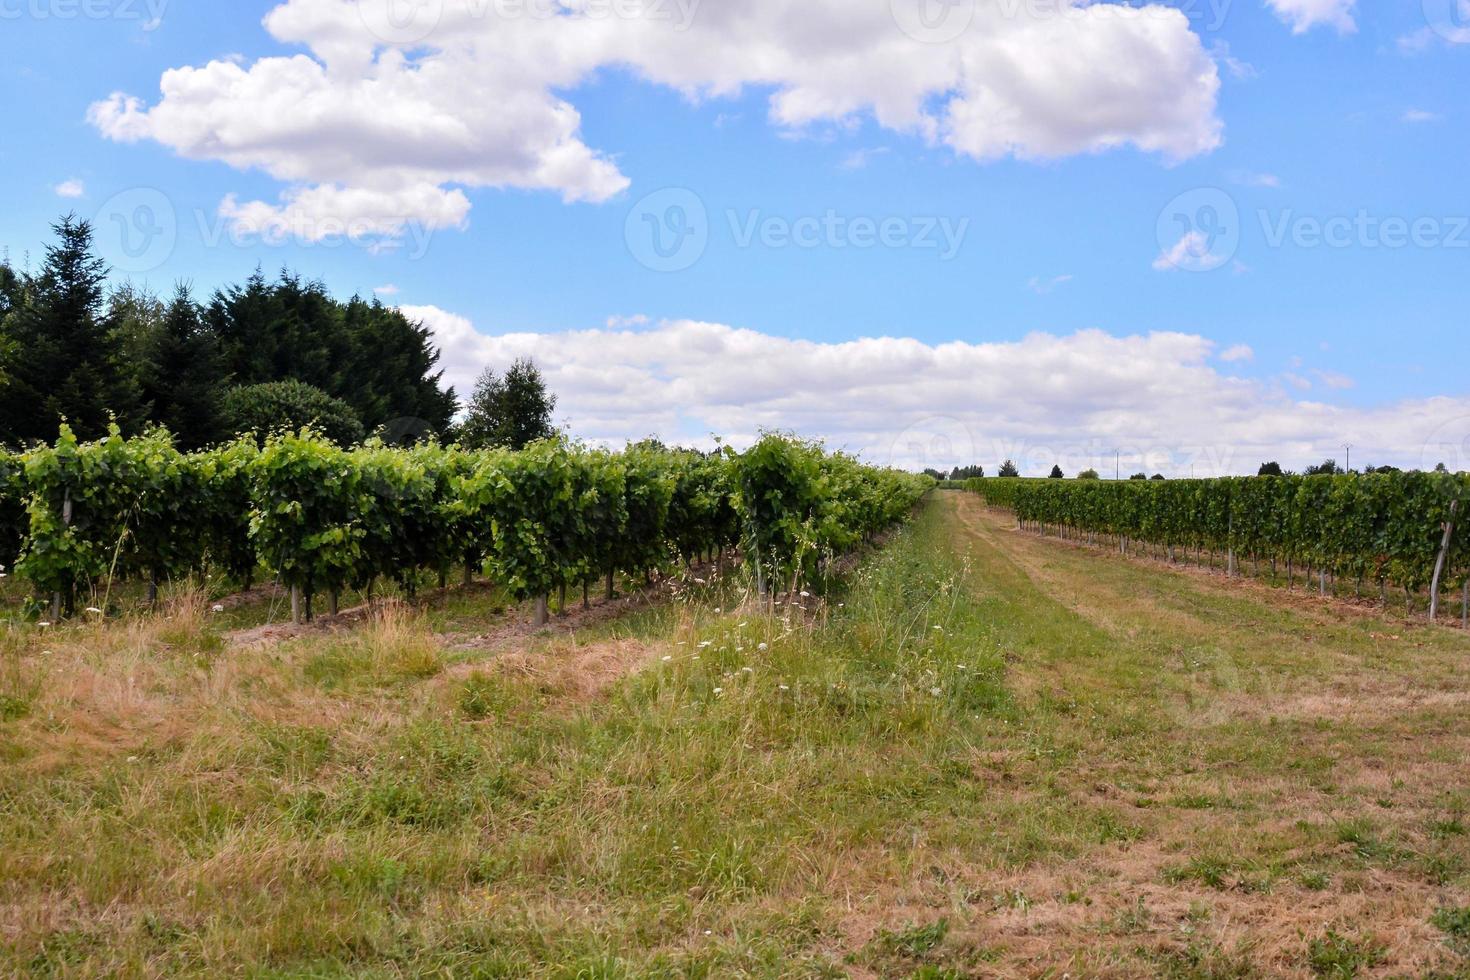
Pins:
x: 1181, y: 237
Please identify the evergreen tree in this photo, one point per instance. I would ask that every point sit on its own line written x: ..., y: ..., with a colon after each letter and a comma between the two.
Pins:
x: 1009, y: 468
x: 63, y: 356
x: 394, y: 380
x: 511, y: 411
x: 183, y: 375
x: 1056, y: 473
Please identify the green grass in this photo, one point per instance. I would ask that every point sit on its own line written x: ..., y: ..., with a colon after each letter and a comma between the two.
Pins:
x: 983, y: 740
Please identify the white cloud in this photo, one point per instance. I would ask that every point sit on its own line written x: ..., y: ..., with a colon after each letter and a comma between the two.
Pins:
x: 858, y: 159
x: 1042, y: 286
x: 1303, y: 15
x: 72, y: 188
x: 1237, y: 352
x: 1249, y: 179
x: 1334, y: 380
x: 1039, y: 399
x: 385, y: 290
x: 1420, y: 116
x: 481, y: 99
x: 1191, y: 253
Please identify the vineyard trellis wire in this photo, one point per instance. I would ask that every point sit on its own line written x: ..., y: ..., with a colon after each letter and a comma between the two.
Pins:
x: 322, y: 518
x: 1390, y: 529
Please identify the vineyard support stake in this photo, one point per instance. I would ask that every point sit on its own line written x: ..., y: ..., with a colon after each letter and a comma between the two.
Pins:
x: 1444, y: 547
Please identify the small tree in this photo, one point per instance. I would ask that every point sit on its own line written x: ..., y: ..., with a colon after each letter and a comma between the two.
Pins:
x: 1088, y: 475
x: 1008, y: 468
x: 512, y: 411
x: 1269, y: 469
x: 1139, y: 476
x: 1157, y: 476
x: 286, y: 406
x: 1056, y: 473
x: 1328, y: 467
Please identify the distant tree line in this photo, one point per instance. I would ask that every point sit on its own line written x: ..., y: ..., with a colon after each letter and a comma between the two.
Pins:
x: 206, y: 368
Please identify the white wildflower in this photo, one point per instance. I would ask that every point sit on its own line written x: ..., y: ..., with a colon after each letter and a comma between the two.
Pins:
x: 667, y: 659
x: 762, y: 646
x: 43, y: 623
x: 706, y: 643
x: 746, y: 670
x: 936, y: 691
x: 784, y: 687
x: 218, y: 608
x: 94, y: 610
x: 719, y: 690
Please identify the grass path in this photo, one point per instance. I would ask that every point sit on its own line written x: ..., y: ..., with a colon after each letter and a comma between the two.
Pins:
x: 1292, y: 776
x: 990, y: 755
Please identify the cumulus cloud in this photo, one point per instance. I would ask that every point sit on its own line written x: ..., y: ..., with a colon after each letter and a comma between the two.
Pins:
x: 1040, y: 399
x: 381, y: 115
x: 1420, y: 116
x: 72, y: 188
x: 1238, y: 352
x: 1303, y: 15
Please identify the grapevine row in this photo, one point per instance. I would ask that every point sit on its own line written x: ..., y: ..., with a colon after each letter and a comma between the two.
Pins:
x: 322, y: 519
x: 1388, y: 529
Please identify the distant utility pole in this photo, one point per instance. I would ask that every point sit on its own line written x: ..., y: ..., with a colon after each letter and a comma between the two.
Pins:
x: 1347, y: 447
x: 1117, y: 464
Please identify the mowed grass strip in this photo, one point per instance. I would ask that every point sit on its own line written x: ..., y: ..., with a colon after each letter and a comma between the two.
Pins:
x: 990, y: 754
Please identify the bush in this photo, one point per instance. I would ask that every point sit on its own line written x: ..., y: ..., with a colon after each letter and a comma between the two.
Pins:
x: 287, y: 406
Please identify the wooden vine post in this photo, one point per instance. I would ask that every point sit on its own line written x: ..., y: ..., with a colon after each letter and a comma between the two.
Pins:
x: 65, y: 522
x: 1444, y: 547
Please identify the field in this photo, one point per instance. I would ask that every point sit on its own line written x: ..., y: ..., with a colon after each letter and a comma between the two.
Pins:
x: 988, y: 753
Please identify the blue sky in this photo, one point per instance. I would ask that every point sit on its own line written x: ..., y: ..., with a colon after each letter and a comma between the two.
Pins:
x: 1324, y: 110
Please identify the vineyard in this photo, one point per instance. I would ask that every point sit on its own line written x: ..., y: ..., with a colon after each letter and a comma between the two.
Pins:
x: 83, y: 517
x: 1401, y: 530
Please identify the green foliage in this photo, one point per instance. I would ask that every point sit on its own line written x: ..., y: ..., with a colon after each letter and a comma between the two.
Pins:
x: 61, y: 356
x: 798, y: 507
x: 1385, y: 527
x: 106, y: 508
x: 323, y: 518
x: 74, y: 347
x: 309, y: 501
x: 280, y: 406
x: 1341, y: 957
x: 513, y: 411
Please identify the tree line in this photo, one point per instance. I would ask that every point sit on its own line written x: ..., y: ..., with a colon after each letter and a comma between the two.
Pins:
x: 254, y: 357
